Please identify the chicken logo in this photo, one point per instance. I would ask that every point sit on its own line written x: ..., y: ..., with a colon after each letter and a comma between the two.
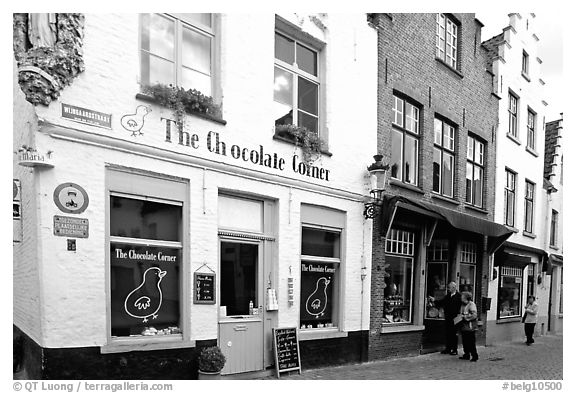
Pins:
x: 135, y: 121
x: 318, y: 300
x: 144, y: 302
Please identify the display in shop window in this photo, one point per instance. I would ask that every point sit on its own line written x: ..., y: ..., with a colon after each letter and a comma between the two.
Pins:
x: 436, y: 287
x: 317, y: 295
x: 397, y: 289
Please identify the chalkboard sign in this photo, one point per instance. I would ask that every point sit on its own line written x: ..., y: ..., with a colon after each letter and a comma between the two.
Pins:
x: 286, y: 350
x: 204, y: 288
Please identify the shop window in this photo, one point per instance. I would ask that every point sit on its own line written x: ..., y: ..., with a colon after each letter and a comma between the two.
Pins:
x: 443, y: 158
x: 177, y: 50
x: 475, y: 171
x: 398, y: 277
x: 529, y: 206
x: 319, y: 277
x: 405, y: 140
x: 296, y: 83
x: 468, y: 256
x: 510, y: 292
x: 436, y: 277
x: 145, y: 266
x: 447, y: 40
x: 510, y: 198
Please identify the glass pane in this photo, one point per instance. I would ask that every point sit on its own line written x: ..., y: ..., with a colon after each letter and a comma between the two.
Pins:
x: 396, y: 160
x: 469, y: 180
x: 411, y: 160
x: 479, y: 153
x: 448, y: 137
x: 509, y: 295
x: 397, y: 289
x: 436, y: 170
x: 284, y: 49
x: 412, y: 118
x: 144, y: 290
x: 240, y: 213
x: 447, y: 174
x: 307, y: 60
x: 196, y: 19
x: 282, y: 86
x: 317, y: 281
x: 158, y: 35
x: 239, y: 272
x: 436, y: 286
x: 145, y: 219
x: 470, y: 151
x: 196, y: 80
x: 160, y: 71
x: 478, y: 186
x: 438, y: 132
x: 310, y: 122
x: 307, y: 96
x: 467, y: 278
x: 320, y: 243
x: 398, y: 111
x: 196, y: 51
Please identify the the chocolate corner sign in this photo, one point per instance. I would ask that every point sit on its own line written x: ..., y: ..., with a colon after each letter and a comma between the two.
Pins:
x: 71, y: 227
x: 71, y: 198
x: 87, y: 116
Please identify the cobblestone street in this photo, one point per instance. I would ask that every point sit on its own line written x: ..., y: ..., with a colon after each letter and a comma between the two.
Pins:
x: 541, y: 361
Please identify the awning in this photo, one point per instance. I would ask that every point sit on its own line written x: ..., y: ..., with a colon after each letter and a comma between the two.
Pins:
x: 497, y: 234
x: 557, y: 259
x: 510, y: 257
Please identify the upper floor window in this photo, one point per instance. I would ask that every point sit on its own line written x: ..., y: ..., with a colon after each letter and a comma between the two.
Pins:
x: 405, y: 135
x: 443, y: 160
x: 446, y: 40
x: 554, y: 229
x: 510, y: 198
x: 475, y: 171
x: 513, y: 115
x: 296, y: 83
x: 529, y: 207
x: 525, y: 63
x: 177, y: 50
x: 531, y: 131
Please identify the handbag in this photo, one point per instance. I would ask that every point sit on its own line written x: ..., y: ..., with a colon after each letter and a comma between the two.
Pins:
x: 469, y: 326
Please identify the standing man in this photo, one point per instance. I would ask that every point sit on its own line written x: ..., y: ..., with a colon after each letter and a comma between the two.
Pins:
x: 530, y: 319
x: 451, y: 304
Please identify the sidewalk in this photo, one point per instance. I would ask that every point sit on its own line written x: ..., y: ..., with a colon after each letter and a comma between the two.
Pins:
x: 511, y: 361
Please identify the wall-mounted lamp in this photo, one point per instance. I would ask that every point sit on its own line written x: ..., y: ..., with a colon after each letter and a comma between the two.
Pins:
x: 378, y: 174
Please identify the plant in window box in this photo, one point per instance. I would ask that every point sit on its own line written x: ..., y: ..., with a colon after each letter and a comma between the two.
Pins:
x: 183, y: 101
x: 210, y: 363
x: 309, y: 141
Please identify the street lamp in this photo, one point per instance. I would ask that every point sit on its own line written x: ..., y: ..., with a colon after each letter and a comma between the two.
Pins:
x: 378, y: 173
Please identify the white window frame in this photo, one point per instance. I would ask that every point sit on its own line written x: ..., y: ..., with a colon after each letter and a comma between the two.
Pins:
x: 468, y: 257
x: 447, y: 40
x: 450, y: 151
x: 531, y: 130
x: 477, y: 165
x: 513, y: 114
x: 401, y: 243
x: 529, y: 205
x: 525, y: 63
x: 510, y: 192
x: 408, y: 130
x: 510, y: 271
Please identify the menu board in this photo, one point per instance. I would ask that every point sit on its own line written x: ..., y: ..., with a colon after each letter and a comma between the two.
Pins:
x: 286, y: 350
x: 204, y: 288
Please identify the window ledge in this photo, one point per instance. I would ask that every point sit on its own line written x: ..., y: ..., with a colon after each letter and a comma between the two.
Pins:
x: 146, y: 344
x: 554, y: 247
x: 525, y: 76
x: 410, y: 187
x: 454, y: 70
x: 390, y: 328
x: 528, y: 234
x: 531, y: 151
x: 515, y: 230
x: 445, y: 199
x: 476, y: 208
x: 509, y: 320
x: 147, y: 98
x: 513, y: 138
x: 320, y: 334
x: 496, y: 95
x: 284, y: 139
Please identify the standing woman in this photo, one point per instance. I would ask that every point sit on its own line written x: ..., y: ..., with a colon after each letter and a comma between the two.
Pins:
x: 469, y: 326
x: 530, y: 318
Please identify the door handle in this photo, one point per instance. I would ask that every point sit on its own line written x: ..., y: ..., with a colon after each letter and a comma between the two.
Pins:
x: 240, y: 328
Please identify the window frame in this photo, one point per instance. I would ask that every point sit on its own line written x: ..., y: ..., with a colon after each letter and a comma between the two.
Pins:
x: 529, y: 204
x: 525, y: 63
x: 531, y: 130
x: 443, y: 23
x: 180, y: 23
x: 414, y: 134
x: 513, y: 103
x: 510, y: 192
x: 468, y: 256
x: 477, y: 165
x: 438, y: 254
x: 445, y: 151
x: 554, y: 228
x: 510, y: 271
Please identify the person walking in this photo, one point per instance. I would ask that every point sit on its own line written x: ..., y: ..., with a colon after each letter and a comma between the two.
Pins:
x: 530, y: 319
x: 468, y: 328
x: 451, y: 304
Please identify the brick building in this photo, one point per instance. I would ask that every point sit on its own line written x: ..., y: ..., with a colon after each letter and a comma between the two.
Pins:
x: 119, y: 187
x: 437, y: 119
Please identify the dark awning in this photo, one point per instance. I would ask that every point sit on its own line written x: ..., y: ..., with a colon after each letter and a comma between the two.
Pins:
x: 556, y: 259
x: 497, y: 234
x: 510, y: 257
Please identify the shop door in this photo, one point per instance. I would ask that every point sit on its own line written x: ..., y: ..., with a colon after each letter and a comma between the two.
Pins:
x: 240, y: 326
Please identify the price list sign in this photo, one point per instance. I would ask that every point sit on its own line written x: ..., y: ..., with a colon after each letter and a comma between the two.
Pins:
x: 204, y: 288
x: 286, y: 350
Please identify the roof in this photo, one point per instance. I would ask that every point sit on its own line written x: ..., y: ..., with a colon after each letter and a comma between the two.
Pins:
x: 550, y: 146
x: 491, y: 46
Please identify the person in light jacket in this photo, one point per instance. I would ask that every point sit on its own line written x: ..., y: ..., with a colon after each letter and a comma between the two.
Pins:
x: 530, y: 319
x: 468, y: 328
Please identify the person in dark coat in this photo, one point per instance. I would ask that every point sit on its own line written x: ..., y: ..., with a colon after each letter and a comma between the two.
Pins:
x: 451, y: 304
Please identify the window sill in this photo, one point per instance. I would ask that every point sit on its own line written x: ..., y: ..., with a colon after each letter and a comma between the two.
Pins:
x: 525, y: 76
x: 509, y: 320
x: 515, y: 230
x: 513, y: 138
x: 284, y: 139
x: 528, y: 234
x: 147, y: 98
x: 554, y: 247
x: 445, y: 199
x: 476, y: 208
x: 531, y: 151
x: 393, y: 328
x: 320, y: 334
x: 454, y: 70
x: 406, y: 186
x: 146, y: 344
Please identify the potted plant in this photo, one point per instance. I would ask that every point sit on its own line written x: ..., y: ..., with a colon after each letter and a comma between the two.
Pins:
x: 210, y: 363
x: 309, y: 141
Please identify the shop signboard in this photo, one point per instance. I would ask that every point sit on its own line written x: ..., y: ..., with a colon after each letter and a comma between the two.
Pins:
x: 204, y: 288
x: 86, y: 116
x: 286, y: 350
x: 71, y: 227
